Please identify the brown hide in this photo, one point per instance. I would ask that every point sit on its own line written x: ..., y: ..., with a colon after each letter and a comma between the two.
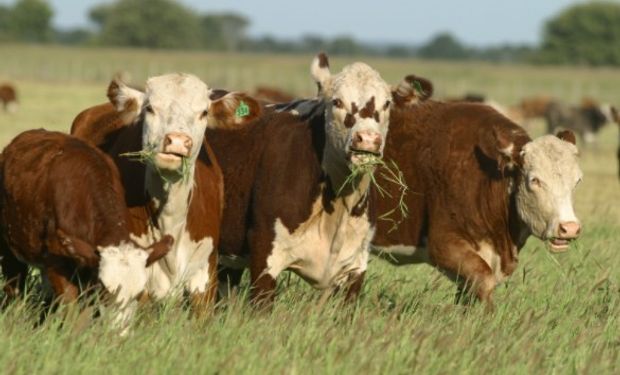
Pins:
x: 61, y: 198
x: 458, y: 178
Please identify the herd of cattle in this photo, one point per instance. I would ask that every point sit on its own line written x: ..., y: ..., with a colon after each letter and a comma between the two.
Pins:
x: 176, y: 189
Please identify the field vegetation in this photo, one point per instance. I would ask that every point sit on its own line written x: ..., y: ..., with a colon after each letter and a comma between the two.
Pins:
x: 557, y: 314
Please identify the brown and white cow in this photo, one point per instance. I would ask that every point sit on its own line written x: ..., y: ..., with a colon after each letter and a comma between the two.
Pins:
x: 8, y: 97
x: 285, y: 209
x: 478, y: 188
x: 179, y: 191
x: 63, y: 211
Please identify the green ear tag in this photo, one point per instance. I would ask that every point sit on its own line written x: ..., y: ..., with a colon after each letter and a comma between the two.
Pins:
x: 242, y: 110
x: 418, y: 87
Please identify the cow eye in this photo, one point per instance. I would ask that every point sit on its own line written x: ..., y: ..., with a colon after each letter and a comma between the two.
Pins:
x: 149, y: 109
x: 337, y: 103
x: 386, y: 105
x: 534, y: 181
x: 204, y: 114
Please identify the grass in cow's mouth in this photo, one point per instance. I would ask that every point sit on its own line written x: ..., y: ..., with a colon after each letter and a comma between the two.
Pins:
x: 368, y: 165
x: 147, y: 156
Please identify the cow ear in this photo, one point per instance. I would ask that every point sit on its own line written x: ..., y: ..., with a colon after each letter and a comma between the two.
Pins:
x: 127, y: 101
x: 411, y: 90
x: 567, y: 136
x: 79, y: 250
x: 233, y: 110
x: 320, y: 73
x: 504, y: 146
x: 159, y: 249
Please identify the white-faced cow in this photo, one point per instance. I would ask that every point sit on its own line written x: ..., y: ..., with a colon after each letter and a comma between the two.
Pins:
x: 478, y: 188
x: 178, y: 191
x: 63, y: 211
x: 287, y: 204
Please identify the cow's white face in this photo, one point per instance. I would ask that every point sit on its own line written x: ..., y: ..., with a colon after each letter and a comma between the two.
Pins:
x: 175, y: 118
x: 544, y: 196
x: 357, y: 109
x: 174, y: 110
x: 122, y: 271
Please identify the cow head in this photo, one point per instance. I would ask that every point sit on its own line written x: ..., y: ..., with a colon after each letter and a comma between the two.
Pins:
x: 174, y: 110
x: 548, y: 174
x: 357, y: 109
x: 412, y: 90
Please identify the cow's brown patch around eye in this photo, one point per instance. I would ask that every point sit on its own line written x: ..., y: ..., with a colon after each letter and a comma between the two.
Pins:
x: 349, y: 120
x: 369, y: 109
x: 386, y: 105
x: 376, y: 116
x: 353, y: 108
x: 149, y: 109
x: 337, y: 103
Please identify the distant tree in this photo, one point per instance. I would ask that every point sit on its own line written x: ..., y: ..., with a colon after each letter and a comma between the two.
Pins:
x: 28, y: 21
x: 147, y: 23
x: 344, y: 45
x: 444, y: 46
x: 224, y: 31
x: 4, y: 22
x: 586, y: 34
x: 77, y: 36
x: 313, y: 43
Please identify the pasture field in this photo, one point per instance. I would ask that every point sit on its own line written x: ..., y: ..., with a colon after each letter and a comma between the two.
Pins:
x: 557, y: 314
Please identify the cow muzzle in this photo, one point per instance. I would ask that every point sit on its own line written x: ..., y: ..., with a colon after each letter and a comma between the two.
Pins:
x: 176, y: 147
x: 364, y: 144
x: 566, y: 232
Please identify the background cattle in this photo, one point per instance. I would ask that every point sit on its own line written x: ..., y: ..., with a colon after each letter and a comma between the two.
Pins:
x: 176, y: 188
x: 267, y: 95
x: 8, y: 97
x: 478, y: 188
x: 287, y: 203
x: 585, y: 120
x: 62, y: 210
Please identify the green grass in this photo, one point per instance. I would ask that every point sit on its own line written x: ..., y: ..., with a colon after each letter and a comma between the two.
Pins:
x: 557, y: 314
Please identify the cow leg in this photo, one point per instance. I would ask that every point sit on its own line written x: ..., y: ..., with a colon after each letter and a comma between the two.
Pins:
x: 262, y: 275
x: 59, y: 276
x: 14, y: 272
x: 228, y: 280
x: 354, y: 286
x: 203, y: 288
x: 462, y: 264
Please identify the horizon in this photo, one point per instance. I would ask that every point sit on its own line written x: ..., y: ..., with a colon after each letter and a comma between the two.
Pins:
x: 489, y: 24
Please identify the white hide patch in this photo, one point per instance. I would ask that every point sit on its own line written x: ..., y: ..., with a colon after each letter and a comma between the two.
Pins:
x: 325, y: 250
x: 122, y: 271
x: 489, y: 255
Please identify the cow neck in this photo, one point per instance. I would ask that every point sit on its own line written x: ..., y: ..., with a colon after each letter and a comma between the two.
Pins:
x: 519, y: 231
x: 170, y: 200
x: 336, y: 168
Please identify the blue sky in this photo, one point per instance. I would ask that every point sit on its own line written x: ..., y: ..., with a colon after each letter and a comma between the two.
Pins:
x: 476, y: 22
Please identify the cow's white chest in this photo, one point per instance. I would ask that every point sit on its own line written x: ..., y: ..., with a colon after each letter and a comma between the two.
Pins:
x: 185, y: 267
x: 324, y: 250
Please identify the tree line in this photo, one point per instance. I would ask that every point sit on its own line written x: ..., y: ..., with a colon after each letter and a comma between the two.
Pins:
x: 584, y: 34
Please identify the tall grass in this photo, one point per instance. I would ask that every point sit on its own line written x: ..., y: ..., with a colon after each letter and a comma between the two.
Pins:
x: 556, y: 314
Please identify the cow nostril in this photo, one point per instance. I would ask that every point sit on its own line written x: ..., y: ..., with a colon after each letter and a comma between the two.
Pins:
x: 188, y: 143
x: 167, y: 140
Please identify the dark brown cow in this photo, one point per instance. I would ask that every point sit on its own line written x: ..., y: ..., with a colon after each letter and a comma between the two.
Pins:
x: 179, y: 191
x: 8, y: 97
x: 478, y: 188
x: 586, y: 119
x: 62, y: 210
x: 285, y: 208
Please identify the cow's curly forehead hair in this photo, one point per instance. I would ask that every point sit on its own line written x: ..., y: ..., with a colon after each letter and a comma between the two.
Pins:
x: 358, y: 76
x: 550, y: 151
x: 180, y: 88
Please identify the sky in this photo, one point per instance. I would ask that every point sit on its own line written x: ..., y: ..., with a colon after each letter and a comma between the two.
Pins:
x: 475, y: 22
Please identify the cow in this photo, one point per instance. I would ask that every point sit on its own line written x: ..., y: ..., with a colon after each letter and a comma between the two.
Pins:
x: 178, y: 188
x: 288, y: 206
x: 271, y: 95
x: 478, y: 187
x: 8, y: 97
x: 586, y: 120
x: 62, y: 210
